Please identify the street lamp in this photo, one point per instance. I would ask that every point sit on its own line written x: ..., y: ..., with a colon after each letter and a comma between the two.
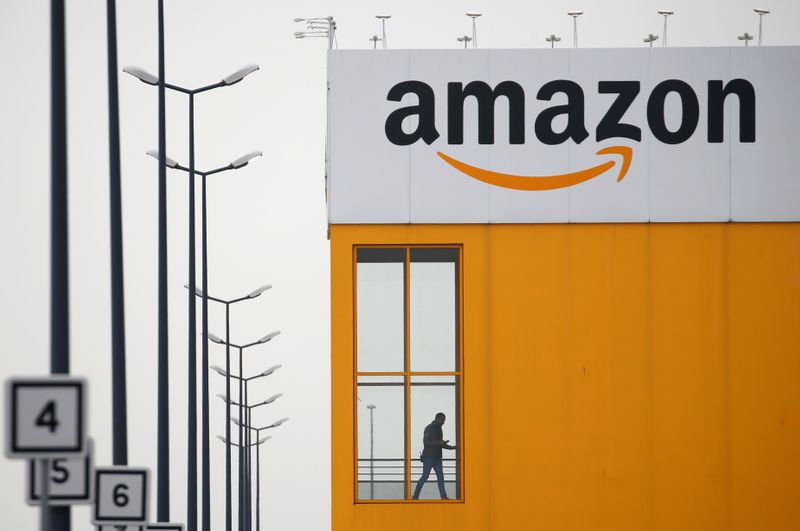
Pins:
x: 650, y: 39
x: 552, y: 39
x: 383, y: 18
x: 473, y: 15
x: 371, y: 408
x: 258, y: 465
x: 465, y: 39
x: 374, y: 40
x: 761, y: 13
x: 575, y: 15
x: 229, y: 80
x: 746, y: 38
x: 665, y: 13
x: 241, y: 348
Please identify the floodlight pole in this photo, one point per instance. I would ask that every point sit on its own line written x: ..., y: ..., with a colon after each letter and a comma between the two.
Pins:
x: 163, y: 338
x: 552, y: 39
x: 58, y: 518
x: 371, y: 408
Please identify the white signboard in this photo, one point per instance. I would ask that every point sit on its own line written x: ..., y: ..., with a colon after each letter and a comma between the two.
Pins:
x: 70, y: 480
x: 45, y: 417
x: 121, y: 496
x: 559, y: 136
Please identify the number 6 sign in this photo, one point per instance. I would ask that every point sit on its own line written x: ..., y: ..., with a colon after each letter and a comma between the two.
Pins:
x: 121, y: 495
x: 45, y: 417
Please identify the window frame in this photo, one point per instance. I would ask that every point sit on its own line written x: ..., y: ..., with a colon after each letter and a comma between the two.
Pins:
x: 407, y: 374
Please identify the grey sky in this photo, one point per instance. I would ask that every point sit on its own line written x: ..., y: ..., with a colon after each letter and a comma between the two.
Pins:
x: 267, y: 221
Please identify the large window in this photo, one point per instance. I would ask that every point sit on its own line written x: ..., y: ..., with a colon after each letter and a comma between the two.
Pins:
x: 408, y: 369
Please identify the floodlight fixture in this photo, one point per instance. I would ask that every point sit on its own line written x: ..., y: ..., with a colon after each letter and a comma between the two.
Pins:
x: 746, y: 37
x: 168, y: 161
x: 650, y: 39
x: 552, y: 39
x: 465, y: 39
x: 239, y: 74
x: 383, y: 17
x: 141, y: 74
x: 269, y: 336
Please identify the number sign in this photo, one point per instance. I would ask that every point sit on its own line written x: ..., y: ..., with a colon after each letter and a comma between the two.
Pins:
x: 45, y: 417
x: 121, y: 495
x: 70, y: 480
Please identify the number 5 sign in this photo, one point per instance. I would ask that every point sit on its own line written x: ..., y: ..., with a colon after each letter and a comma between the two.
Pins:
x: 45, y: 417
x: 121, y: 496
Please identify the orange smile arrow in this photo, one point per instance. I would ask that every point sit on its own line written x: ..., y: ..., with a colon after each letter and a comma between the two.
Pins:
x: 549, y: 182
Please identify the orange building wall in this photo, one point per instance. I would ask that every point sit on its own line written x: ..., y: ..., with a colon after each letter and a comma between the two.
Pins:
x: 617, y: 377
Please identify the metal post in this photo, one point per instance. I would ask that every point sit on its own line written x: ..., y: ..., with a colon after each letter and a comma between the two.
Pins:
x: 241, y: 448
x: 205, y: 439
x: 58, y: 518
x: 228, y: 480
x: 575, y: 32
x: 663, y: 34
x: 258, y: 487
x: 383, y: 32
x: 371, y: 408
x: 163, y: 339
x: 191, y: 467
x: 119, y: 419
x: 45, y: 501
x: 474, y: 34
x: 246, y: 421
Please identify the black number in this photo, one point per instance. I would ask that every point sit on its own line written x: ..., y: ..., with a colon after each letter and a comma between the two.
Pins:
x: 120, y: 498
x: 61, y: 470
x: 47, y: 418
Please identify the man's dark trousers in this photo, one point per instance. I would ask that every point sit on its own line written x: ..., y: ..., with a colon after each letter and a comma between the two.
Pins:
x: 436, y: 465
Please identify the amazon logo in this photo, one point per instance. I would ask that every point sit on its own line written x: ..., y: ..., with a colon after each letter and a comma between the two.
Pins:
x: 611, y: 126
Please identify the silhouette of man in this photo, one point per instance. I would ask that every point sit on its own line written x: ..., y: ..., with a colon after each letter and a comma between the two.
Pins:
x: 432, y: 444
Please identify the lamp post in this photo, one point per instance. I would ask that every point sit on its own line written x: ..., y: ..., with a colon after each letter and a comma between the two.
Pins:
x: 58, y: 518
x: 371, y: 408
x: 203, y: 294
x: 241, y: 348
x: 473, y: 15
x: 650, y: 39
x: 258, y: 464
x: 244, y: 402
x: 383, y: 17
x: 552, y: 39
x: 761, y: 13
x: 666, y: 14
x: 465, y: 39
x: 192, y: 358
x: 575, y: 15
x: 374, y: 40
x: 746, y: 38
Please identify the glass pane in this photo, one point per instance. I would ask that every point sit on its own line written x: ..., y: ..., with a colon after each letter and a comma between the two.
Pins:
x: 381, y: 438
x: 434, y: 310
x: 431, y: 395
x: 380, y: 306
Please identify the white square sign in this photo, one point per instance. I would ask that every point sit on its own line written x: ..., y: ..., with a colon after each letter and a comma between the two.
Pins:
x: 121, y: 496
x: 70, y: 480
x: 45, y: 417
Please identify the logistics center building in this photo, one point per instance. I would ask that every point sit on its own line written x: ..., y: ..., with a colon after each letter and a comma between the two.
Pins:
x: 589, y: 261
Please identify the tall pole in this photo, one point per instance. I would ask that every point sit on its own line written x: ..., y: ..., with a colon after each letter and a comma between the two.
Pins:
x: 119, y: 419
x: 574, y: 32
x: 474, y: 34
x: 664, y: 33
x: 163, y: 344
x: 191, y: 468
x: 58, y: 518
x: 248, y: 455
x: 258, y: 487
x: 205, y: 439
x: 241, y: 447
x: 383, y: 31
x: 228, y: 479
x: 371, y: 408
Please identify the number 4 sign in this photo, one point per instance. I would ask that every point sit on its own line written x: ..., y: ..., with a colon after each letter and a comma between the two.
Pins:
x: 45, y: 417
x: 121, y: 496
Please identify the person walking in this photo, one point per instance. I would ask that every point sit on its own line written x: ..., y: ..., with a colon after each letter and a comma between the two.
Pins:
x: 432, y: 445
